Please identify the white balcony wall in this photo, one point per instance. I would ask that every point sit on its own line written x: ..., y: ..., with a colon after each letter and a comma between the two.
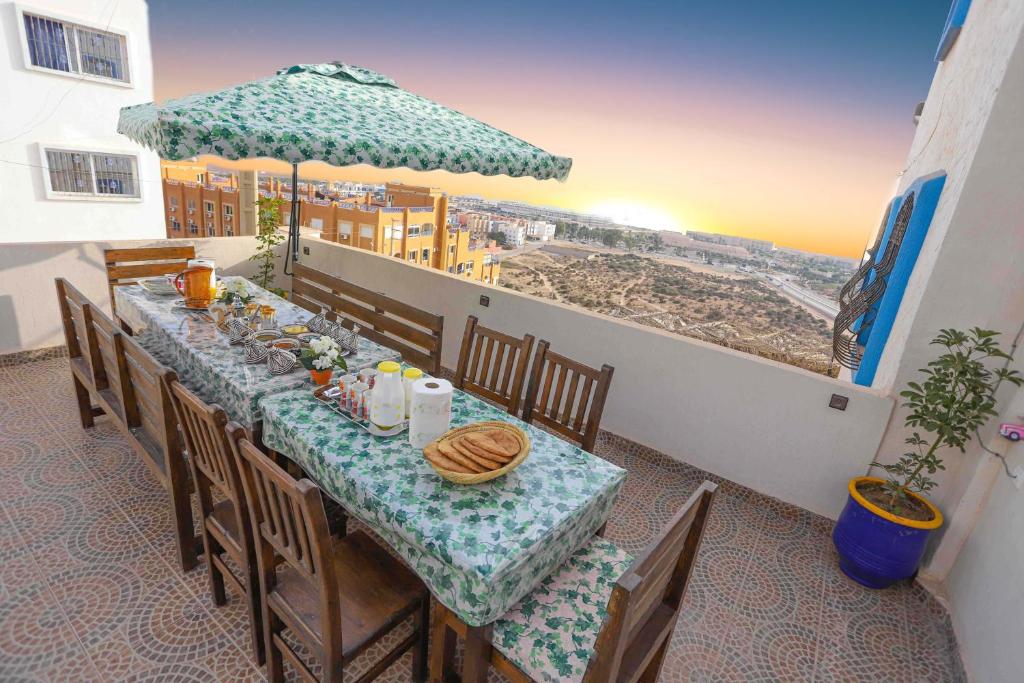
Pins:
x: 42, y: 109
x: 759, y: 423
x: 29, y: 318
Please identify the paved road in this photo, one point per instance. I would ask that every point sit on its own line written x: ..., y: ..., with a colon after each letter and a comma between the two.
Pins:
x: 811, y: 299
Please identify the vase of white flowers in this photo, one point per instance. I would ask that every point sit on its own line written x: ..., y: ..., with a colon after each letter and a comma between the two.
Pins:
x: 320, y: 358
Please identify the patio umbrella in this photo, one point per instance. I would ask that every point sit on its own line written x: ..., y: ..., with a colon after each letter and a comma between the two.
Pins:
x: 337, y: 113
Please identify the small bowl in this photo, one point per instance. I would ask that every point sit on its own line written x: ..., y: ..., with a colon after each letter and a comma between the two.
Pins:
x: 294, y: 330
x: 268, y: 335
x: 305, y: 337
x: 284, y: 343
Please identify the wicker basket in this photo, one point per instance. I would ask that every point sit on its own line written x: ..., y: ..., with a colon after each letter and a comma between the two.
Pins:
x: 462, y: 478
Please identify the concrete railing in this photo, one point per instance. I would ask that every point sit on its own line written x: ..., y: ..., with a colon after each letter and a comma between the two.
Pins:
x: 759, y: 423
x: 756, y: 422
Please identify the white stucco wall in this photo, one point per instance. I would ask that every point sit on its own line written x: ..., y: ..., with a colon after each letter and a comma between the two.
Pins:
x: 41, y: 108
x: 968, y: 272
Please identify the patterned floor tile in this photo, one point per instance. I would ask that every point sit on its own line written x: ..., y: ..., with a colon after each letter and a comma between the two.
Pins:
x: 90, y: 590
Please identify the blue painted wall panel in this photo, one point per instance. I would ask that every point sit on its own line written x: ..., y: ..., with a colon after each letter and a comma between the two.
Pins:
x: 927, y: 190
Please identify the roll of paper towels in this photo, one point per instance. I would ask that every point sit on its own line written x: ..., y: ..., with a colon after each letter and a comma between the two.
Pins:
x: 431, y: 410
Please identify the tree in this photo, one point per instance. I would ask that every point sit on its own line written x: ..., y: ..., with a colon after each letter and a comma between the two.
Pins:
x: 268, y: 218
x: 499, y: 238
x: 611, y: 237
x: 560, y: 228
x: 630, y: 241
x: 655, y: 243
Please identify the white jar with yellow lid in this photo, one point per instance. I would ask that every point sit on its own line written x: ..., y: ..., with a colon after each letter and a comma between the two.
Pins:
x: 387, y: 400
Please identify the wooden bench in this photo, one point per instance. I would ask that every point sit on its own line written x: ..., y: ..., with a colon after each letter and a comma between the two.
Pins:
x: 76, y: 317
x: 413, y: 332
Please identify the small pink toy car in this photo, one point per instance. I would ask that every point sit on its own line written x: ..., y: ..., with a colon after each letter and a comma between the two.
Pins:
x: 1011, y: 431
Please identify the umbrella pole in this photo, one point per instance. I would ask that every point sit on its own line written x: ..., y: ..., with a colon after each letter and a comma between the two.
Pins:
x: 292, y: 249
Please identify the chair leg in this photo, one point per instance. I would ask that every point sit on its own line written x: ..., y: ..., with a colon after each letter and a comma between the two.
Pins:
x: 421, y: 623
x: 183, y: 524
x: 84, y: 400
x: 653, y: 670
x: 216, y: 578
x: 476, y: 655
x: 272, y: 626
x: 252, y: 588
x: 442, y: 653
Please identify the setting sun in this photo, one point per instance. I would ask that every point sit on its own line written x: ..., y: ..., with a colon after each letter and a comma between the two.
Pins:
x: 636, y: 214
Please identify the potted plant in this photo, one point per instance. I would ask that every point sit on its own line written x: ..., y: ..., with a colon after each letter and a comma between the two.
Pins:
x: 881, y: 534
x: 320, y: 358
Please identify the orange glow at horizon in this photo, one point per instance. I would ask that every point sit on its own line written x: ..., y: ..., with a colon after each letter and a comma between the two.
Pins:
x: 708, y: 156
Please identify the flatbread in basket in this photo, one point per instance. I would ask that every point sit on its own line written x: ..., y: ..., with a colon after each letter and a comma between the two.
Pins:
x: 478, y: 452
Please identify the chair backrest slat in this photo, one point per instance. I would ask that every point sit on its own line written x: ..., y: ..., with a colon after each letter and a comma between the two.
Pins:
x: 571, y: 409
x: 145, y: 375
x: 415, y: 333
x: 651, y: 591
x: 492, y: 364
x: 117, y: 377
x: 76, y: 317
x: 288, y: 515
x: 127, y: 266
x: 207, y: 443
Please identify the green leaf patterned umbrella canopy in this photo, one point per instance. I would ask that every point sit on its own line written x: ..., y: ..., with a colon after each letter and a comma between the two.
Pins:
x: 337, y: 113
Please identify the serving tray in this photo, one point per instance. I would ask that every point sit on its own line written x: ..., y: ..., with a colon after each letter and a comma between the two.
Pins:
x: 328, y: 395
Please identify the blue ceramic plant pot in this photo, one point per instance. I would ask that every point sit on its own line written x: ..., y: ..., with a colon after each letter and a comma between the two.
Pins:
x: 877, y: 548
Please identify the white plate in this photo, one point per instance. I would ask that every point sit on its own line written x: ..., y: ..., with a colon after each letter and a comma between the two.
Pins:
x: 158, y: 285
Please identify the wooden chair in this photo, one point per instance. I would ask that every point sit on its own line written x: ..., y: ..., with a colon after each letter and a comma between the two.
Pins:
x: 76, y: 317
x: 575, y: 406
x: 412, y: 331
x: 127, y: 266
x: 336, y: 596
x: 150, y: 424
x: 558, y: 632
x: 225, y: 526
x: 492, y: 364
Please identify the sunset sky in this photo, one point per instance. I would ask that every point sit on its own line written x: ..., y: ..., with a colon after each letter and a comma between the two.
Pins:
x: 786, y: 120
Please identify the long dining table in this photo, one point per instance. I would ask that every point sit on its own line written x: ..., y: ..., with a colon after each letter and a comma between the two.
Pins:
x: 480, y: 549
x: 208, y: 364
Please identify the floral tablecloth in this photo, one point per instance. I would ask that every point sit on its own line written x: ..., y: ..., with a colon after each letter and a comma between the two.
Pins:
x: 204, y: 360
x: 479, y: 548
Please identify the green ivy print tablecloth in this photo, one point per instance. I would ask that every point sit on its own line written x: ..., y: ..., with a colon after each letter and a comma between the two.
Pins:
x: 479, y: 548
x: 336, y: 113
x: 211, y: 367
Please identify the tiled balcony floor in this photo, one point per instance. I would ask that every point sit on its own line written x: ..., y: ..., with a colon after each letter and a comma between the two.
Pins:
x: 89, y: 588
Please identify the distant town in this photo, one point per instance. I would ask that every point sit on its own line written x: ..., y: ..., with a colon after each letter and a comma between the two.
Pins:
x: 745, y: 293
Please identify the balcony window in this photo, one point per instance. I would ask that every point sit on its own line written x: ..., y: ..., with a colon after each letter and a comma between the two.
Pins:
x: 426, y: 255
x: 175, y: 225
x: 208, y: 208
x: 191, y: 204
x: 414, y: 231
x: 193, y: 229
x: 229, y: 211
x: 412, y: 256
x: 316, y: 223
x: 228, y: 232
x: 460, y: 268
x: 172, y: 202
x: 210, y: 230
x: 77, y: 173
x: 60, y: 46
x: 366, y: 231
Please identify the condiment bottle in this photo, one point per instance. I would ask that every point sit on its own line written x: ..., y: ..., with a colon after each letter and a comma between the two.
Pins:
x: 387, y: 400
x: 409, y: 378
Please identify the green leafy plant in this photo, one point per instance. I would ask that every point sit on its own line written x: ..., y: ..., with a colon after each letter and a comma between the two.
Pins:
x: 268, y: 218
x: 957, y: 397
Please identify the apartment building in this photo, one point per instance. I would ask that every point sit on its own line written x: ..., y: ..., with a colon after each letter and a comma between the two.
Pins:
x: 514, y: 231
x: 200, y: 202
x: 731, y: 240
x: 68, y: 174
x: 411, y: 223
x: 540, y: 230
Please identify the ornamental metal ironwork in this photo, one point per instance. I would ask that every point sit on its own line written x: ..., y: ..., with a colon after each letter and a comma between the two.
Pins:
x: 858, y: 296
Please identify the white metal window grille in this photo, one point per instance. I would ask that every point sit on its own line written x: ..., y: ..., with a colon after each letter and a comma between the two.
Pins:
x: 93, y: 174
x: 71, y: 48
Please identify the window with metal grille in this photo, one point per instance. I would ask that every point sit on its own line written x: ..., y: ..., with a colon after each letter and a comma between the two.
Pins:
x: 72, y: 48
x: 92, y: 174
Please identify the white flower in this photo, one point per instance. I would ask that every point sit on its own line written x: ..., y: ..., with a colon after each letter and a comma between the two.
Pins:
x: 331, y: 353
x: 319, y: 345
x: 322, y: 363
